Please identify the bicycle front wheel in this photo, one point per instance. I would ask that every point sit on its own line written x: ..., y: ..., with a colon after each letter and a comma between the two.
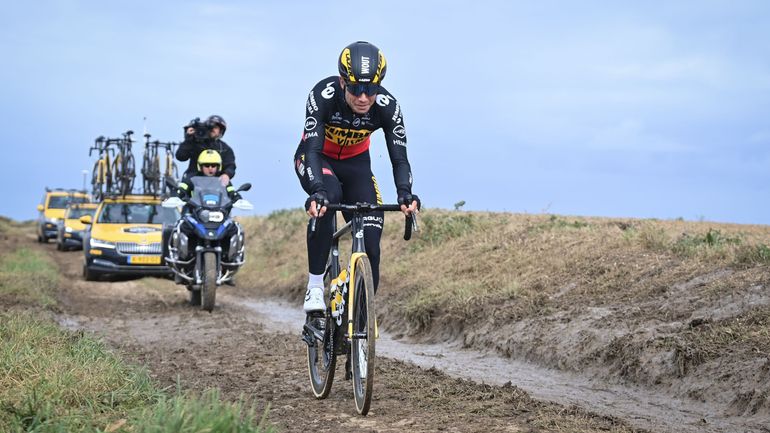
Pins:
x: 363, y: 338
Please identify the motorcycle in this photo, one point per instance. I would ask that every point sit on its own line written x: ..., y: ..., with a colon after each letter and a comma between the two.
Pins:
x: 205, y: 248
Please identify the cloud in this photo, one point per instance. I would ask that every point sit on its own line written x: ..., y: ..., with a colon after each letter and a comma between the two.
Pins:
x: 631, y: 135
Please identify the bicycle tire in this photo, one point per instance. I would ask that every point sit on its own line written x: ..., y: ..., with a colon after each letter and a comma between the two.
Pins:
x: 128, y: 175
x: 362, y: 344
x: 96, y: 183
x: 155, y: 174
x: 321, y: 359
x: 146, y: 176
x: 117, y: 174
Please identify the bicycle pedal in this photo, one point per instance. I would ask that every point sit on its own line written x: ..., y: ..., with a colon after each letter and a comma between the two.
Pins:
x: 308, y: 339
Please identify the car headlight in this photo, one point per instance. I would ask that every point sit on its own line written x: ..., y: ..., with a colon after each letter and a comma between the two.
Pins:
x: 98, y: 243
x: 68, y: 229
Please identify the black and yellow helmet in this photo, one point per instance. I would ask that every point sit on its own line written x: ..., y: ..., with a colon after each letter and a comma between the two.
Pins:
x: 209, y: 157
x: 362, y: 62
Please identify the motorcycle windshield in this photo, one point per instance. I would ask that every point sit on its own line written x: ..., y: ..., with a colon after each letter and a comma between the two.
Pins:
x: 208, y: 192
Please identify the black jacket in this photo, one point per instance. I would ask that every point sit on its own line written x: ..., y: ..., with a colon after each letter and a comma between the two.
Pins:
x: 192, y: 147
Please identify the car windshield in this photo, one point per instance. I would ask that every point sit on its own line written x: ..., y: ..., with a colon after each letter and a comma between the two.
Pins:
x: 75, y: 212
x: 62, y: 201
x: 137, y: 213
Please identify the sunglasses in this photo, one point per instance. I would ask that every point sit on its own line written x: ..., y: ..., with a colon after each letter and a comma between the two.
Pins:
x: 209, y: 165
x: 357, y: 89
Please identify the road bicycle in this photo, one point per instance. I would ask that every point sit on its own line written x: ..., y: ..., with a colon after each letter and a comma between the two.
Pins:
x: 155, y: 180
x: 123, y: 168
x: 349, y: 324
x: 101, y: 175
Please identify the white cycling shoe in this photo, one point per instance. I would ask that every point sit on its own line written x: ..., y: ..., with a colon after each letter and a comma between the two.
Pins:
x: 314, y: 300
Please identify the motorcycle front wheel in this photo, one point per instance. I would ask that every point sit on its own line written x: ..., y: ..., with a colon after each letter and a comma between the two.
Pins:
x: 209, y: 287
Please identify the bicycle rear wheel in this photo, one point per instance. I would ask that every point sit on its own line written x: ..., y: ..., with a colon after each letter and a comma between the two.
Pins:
x: 362, y: 343
x: 127, y: 175
x: 321, y: 360
x: 96, y: 182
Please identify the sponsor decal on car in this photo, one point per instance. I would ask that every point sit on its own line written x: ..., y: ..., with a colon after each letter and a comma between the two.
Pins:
x: 141, y: 229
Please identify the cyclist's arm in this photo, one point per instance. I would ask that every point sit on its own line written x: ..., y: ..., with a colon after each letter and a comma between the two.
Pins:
x: 395, y: 139
x: 318, y: 104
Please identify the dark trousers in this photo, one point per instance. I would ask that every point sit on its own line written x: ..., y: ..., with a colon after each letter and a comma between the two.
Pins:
x: 347, y: 181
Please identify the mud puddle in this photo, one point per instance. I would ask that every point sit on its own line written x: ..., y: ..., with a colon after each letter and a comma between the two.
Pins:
x: 637, y: 406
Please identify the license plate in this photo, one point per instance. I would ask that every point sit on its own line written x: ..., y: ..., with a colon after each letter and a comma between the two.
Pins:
x: 144, y: 260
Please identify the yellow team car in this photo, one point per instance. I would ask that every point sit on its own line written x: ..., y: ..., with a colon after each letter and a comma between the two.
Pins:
x: 125, y: 237
x: 70, y: 229
x: 52, y: 208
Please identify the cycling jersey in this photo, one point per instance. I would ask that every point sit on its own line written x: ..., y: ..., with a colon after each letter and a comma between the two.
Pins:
x: 334, y: 130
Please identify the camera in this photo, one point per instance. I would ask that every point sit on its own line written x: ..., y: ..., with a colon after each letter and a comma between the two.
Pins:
x: 202, y: 129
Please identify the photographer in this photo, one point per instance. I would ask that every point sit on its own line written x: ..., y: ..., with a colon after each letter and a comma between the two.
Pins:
x: 200, y: 136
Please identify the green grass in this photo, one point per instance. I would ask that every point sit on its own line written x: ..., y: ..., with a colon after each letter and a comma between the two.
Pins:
x: 53, y: 380
x: 58, y: 381
x: 27, y: 277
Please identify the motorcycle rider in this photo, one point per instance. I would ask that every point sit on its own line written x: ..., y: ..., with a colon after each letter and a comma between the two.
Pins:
x: 332, y: 160
x: 209, y: 163
x: 200, y: 136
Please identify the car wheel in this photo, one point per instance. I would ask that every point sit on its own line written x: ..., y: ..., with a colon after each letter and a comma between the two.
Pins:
x: 88, y: 274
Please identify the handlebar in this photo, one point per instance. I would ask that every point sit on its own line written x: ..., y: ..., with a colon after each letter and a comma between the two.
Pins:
x: 410, y: 221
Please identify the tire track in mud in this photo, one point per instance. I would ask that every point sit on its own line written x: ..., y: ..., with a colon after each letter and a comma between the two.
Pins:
x: 640, y: 407
x: 150, y: 323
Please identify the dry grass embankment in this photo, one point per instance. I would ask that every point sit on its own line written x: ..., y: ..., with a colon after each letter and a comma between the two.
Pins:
x: 648, y: 301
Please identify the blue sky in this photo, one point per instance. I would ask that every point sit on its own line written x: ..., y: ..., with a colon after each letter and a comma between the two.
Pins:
x: 653, y: 109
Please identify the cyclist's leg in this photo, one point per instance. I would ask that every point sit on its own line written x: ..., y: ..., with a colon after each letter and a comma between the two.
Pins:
x: 320, y: 243
x: 360, y: 185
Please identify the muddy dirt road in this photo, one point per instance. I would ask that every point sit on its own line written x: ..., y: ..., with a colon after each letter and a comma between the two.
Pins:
x: 149, y: 322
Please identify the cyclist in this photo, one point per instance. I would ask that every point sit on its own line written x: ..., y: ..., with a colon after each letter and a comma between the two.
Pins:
x: 209, y: 164
x: 332, y: 160
x: 200, y: 136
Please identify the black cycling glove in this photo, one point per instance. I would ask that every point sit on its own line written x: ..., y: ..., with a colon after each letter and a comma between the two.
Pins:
x: 407, y: 200
x: 318, y: 197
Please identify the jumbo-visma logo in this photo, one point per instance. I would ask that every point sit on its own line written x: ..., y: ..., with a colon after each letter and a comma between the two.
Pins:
x: 346, y: 137
x: 310, y: 123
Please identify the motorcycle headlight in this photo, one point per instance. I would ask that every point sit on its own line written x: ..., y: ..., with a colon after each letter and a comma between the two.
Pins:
x: 98, y: 243
x: 52, y: 220
x: 68, y: 229
x: 216, y: 217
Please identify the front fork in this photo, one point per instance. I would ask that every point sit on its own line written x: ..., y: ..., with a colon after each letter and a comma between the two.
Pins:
x: 200, y: 265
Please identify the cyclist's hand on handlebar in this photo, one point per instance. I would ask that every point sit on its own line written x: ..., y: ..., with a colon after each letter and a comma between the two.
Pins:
x: 315, y: 201
x: 410, y: 203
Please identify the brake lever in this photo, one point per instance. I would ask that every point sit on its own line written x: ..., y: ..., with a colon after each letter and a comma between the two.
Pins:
x: 410, y: 225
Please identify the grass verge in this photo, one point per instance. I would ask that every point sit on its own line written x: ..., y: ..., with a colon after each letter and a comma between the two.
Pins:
x: 58, y: 381
x: 53, y: 380
x: 27, y: 277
